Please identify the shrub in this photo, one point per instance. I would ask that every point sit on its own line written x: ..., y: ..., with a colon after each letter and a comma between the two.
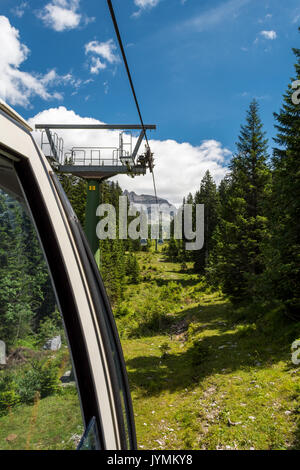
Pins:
x: 192, y: 330
x: 28, y: 385
x: 183, y: 266
x: 198, y: 352
x: 122, y: 310
x: 8, y: 399
x: 40, y: 377
x: 171, y: 292
x: 29, y: 342
x: 128, y: 326
x: 149, y: 318
x: 153, y: 315
x: 8, y: 394
x: 246, y: 330
x: 164, y: 349
x: 50, y: 327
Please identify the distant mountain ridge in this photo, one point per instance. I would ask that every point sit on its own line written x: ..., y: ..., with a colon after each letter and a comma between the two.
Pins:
x: 144, y: 202
x: 144, y: 199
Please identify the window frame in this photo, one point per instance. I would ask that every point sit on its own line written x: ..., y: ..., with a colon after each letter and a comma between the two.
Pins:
x: 89, y: 397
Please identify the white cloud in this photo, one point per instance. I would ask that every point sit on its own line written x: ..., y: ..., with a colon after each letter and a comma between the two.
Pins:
x: 266, y: 18
x: 16, y: 86
x: 214, y: 16
x: 296, y: 19
x: 179, y: 167
x: 19, y: 10
x: 247, y: 94
x: 295, y: 15
x: 96, y: 65
x: 105, y: 50
x: 106, y: 87
x: 269, y: 34
x: 61, y: 15
x: 52, y: 78
x: 144, y: 5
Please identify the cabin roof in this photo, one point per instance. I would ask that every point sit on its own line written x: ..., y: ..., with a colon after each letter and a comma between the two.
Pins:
x: 12, y: 113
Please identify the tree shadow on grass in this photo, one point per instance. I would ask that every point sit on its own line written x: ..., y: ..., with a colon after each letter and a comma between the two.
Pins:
x: 188, y: 271
x: 216, y: 353
x: 212, y: 317
x: 182, y: 282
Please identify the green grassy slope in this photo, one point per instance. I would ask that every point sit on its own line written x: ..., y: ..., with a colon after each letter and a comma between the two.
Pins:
x: 221, y: 385
x: 54, y: 423
x: 199, y: 379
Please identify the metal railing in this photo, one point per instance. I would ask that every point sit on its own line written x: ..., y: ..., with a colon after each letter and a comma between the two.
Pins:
x: 58, y: 144
x: 53, y: 147
x: 97, y: 156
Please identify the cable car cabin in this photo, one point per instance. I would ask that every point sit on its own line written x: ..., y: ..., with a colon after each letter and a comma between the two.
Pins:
x: 46, y: 267
x: 160, y: 241
x: 143, y: 242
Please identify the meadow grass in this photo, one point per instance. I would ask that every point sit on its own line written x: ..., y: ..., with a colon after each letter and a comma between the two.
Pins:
x: 222, y: 384
x: 54, y: 423
x: 206, y: 378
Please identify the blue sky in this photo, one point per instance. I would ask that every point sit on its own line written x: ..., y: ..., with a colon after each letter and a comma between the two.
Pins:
x: 196, y: 65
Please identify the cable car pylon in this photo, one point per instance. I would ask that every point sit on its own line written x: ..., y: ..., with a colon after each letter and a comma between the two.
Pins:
x: 88, y: 163
x: 95, y: 164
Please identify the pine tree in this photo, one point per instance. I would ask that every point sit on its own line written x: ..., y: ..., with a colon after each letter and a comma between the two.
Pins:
x: 132, y: 268
x: 283, y: 255
x: 112, y: 252
x: 175, y: 248
x: 23, y: 272
x: 237, y: 258
x: 208, y: 196
x: 112, y: 268
x: 76, y: 190
x: 172, y: 250
x: 42, y: 291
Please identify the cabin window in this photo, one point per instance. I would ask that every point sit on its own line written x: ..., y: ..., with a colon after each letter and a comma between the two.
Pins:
x: 39, y: 402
